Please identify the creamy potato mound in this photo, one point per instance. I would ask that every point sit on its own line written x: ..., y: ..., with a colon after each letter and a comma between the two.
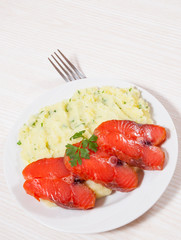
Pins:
x: 47, y: 132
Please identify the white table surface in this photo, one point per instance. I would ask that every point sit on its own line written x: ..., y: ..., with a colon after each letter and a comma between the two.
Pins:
x: 137, y: 41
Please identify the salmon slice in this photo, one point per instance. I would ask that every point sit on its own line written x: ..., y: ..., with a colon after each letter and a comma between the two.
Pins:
x: 46, y: 168
x: 149, y: 134
x: 55, y: 190
x: 107, y: 170
x: 48, y: 179
x: 134, y: 147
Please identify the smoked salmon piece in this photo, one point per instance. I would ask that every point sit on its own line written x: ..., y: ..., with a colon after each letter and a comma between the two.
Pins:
x: 48, y: 179
x: 46, y: 168
x: 146, y: 133
x: 105, y: 169
x: 133, y: 143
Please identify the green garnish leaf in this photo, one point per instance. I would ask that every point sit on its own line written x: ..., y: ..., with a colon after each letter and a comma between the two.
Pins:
x: 85, y: 143
x: 93, y: 138
x: 79, y: 160
x: 84, y: 152
x: 139, y: 106
x: 33, y: 124
x: 73, y: 163
x: 41, y: 124
x: 71, y: 149
x: 77, y: 153
x: 74, y: 159
x: 124, y: 102
x: 130, y: 89
x: 66, y: 108
x: 19, y: 142
x: 93, y: 146
x: 68, y: 145
x: 77, y: 135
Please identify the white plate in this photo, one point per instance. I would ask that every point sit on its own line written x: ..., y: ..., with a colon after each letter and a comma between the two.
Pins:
x: 113, y: 211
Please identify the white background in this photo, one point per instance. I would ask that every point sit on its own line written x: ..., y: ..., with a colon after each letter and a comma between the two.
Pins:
x: 137, y: 41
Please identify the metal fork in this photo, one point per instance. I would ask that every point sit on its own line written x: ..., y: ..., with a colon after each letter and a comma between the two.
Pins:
x: 65, y: 68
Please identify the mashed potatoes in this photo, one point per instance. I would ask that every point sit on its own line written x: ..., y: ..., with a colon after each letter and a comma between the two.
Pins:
x: 46, y: 133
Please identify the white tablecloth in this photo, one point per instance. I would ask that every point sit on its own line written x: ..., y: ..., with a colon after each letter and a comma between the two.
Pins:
x: 137, y: 41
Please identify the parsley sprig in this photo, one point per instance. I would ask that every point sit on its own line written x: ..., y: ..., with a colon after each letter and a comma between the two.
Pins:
x: 82, y: 151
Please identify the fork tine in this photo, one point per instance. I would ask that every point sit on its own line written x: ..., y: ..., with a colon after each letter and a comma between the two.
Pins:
x: 73, y: 75
x: 68, y: 75
x: 80, y: 75
x: 58, y: 70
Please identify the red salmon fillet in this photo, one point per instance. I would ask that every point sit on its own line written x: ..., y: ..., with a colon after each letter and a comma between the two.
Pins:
x: 46, y: 168
x: 132, y: 143
x: 107, y: 170
x: 48, y: 179
x: 146, y: 133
